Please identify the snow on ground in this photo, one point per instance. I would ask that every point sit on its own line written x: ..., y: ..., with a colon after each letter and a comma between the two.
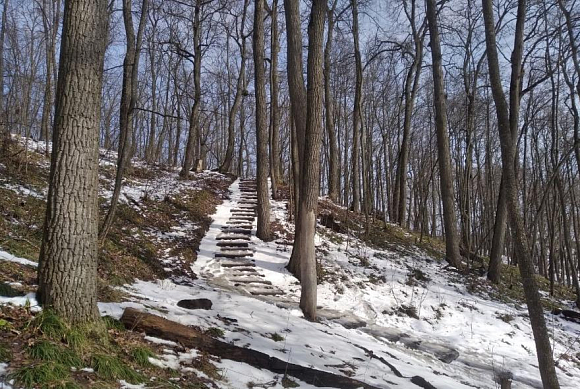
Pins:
x: 5, y: 256
x: 490, y: 336
x: 3, y: 373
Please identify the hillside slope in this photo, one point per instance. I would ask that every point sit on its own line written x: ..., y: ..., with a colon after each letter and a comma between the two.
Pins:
x: 392, y: 313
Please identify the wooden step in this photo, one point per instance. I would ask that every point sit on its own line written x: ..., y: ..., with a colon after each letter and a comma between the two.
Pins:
x: 233, y: 243
x: 237, y: 230
x: 263, y: 290
x: 232, y: 236
x: 237, y: 263
x: 233, y: 254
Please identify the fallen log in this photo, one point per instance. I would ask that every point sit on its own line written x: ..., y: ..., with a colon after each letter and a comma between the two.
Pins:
x: 157, y: 326
x: 567, y: 314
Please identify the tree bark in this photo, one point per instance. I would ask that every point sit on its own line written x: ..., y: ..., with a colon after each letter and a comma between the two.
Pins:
x: 498, y: 240
x: 263, y: 208
x: 297, y: 93
x: 446, y: 175
x: 67, y: 273
x: 508, y: 127
x: 310, y: 185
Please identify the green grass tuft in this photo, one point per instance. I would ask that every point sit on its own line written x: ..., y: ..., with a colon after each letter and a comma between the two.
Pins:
x: 276, y: 337
x: 113, y: 324
x: 47, y: 351
x: 141, y: 356
x: 76, y: 338
x: 111, y: 368
x: 51, y: 325
x: 62, y: 385
x: 42, y: 374
x: 215, y: 332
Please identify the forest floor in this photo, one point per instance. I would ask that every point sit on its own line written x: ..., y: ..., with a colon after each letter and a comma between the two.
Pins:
x: 392, y: 314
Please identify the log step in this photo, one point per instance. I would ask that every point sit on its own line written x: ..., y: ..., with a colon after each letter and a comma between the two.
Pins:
x: 234, y: 253
x: 233, y: 243
x: 248, y: 280
x: 232, y: 236
x: 243, y: 212
x: 245, y: 271
x: 264, y: 290
x: 237, y: 263
x: 240, y: 222
x: 236, y: 230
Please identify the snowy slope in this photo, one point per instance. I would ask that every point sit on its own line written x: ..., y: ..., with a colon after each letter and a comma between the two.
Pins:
x: 489, y: 336
x: 414, y: 311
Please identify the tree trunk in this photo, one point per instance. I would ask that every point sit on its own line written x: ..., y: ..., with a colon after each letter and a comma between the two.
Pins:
x: 507, y: 126
x: 4, y: 128
x: 274, y: 108
x: 194, y: 131
x: 67, y: 273
x: 310, y: 184
x: 50, y: 31
x: 263, y: 209
x: 356, y: 115
x: 227, y: 164
x: 128, y: 103
x: 446, y: 179
x: 333, y: 164
x: 297, y: 93
x: 498, y: 240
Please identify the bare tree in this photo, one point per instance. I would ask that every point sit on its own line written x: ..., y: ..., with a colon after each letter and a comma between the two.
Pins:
x: 507, y: 116
x: 128, y: 103
x: 4, y: 128
x: 263, y: 209
x: 241, y: 41
x: 193, y: 136
x: 311, y: 173
x: 297, y: 92
x: 446, y: 178
x: 333, y: 163
x: 274, y: 104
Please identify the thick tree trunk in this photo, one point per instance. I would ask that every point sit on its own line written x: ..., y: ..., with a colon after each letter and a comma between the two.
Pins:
x: 310, y: 184
x: 67, y: 273
x: 263, y: 209
x: 297, y: 93
x: 507, y: 125
x: 446, y: 179
x: 194, y: 131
